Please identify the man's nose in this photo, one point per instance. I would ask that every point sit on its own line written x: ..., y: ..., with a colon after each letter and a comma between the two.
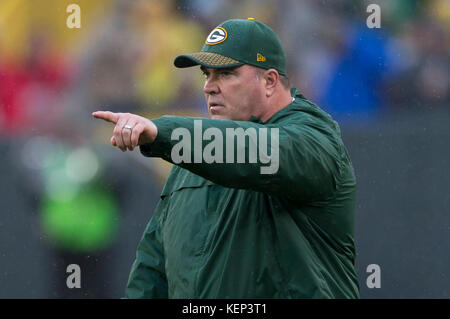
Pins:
x: 211, y: 86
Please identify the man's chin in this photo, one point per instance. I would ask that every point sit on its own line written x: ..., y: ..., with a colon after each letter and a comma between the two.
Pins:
x: 220, y: 117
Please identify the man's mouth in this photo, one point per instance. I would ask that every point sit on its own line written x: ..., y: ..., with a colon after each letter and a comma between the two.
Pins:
x: 215, y: 107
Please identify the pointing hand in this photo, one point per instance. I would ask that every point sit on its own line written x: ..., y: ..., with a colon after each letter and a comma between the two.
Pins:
x: 130, y: 130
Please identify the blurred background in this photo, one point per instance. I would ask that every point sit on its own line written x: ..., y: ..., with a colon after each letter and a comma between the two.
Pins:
x: 68, y: 197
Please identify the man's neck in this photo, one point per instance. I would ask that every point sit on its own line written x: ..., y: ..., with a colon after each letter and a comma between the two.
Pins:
x: 277, y: 102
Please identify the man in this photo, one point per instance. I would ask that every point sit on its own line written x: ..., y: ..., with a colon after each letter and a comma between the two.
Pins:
x: 227, y: 228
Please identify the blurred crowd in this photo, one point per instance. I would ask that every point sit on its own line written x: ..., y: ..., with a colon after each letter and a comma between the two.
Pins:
x: 121, y: 58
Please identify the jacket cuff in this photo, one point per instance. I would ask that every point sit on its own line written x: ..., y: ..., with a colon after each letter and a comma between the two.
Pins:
x: 161, y: 146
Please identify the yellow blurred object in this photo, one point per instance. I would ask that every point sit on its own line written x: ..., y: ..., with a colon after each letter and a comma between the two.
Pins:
x: 14, y: 26
x: 441, y: 10
x: 21, y: 20
x: 165, y: 35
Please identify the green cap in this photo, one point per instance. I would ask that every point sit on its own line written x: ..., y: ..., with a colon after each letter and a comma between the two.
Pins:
x: 236, y: 42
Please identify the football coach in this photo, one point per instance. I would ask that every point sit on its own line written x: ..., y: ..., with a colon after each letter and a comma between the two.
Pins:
x: 260, y: 200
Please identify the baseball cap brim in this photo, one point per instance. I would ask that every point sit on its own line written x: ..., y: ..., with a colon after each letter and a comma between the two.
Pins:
x: 206, y: 59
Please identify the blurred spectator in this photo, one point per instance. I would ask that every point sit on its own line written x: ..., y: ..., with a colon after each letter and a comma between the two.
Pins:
x: 29, y: 88
x: 163, y: 33
x: 354, y: 92
x: 424, y: 82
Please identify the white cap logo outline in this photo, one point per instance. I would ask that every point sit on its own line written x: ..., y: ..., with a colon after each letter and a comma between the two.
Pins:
x: 218, y: 35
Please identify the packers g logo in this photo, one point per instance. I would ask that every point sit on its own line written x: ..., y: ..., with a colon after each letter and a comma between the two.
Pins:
x: 218, y: 35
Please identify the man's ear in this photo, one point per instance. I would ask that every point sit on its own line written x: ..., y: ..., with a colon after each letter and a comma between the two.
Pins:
x: 271, y: 78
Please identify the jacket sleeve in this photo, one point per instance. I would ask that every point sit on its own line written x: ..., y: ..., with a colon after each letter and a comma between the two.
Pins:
x: 306, y: 166
x: 147, y: 277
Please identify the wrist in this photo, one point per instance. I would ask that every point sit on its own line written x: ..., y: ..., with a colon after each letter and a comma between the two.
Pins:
x: 151, y: 132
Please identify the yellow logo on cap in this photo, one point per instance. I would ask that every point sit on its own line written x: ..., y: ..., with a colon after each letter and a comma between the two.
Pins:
x: 260, y: 57
x: 218, y: 35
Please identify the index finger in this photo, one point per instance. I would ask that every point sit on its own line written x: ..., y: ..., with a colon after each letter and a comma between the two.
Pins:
x: 107, y: 116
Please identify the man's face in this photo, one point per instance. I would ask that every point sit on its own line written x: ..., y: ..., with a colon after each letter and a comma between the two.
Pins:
x: 234, y: 93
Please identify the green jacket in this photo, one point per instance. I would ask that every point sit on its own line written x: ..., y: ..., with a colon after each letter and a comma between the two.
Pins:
x: 225, y: 230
